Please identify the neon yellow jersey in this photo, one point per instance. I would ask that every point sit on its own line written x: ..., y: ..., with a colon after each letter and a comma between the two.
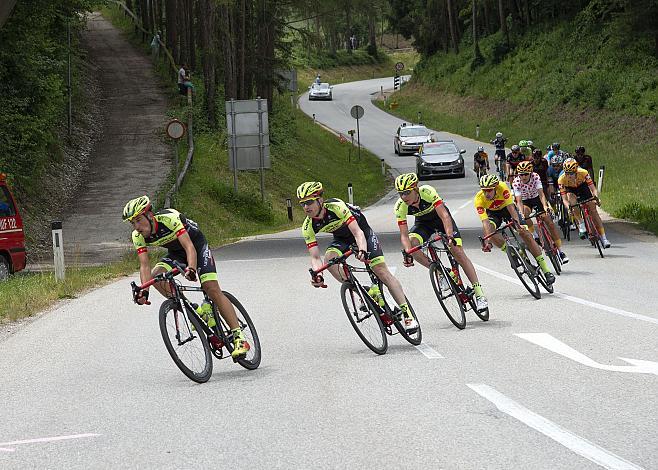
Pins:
x: 169, y: 224
x: 426, y: 210
x: 337, y: 216
x: 502, y: 199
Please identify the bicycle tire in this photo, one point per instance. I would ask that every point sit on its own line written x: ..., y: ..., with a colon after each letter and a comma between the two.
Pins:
x: 458, y: 321
x: 541, y: 277
x: 599, y: 246
x: 523, y: 270
x: 170, y: 310
x: 376, y: 333
x: 551, y: 251
x: 414, y: 338
x: 593, y: 234
x: 251, y: 360
x: 482, y: 315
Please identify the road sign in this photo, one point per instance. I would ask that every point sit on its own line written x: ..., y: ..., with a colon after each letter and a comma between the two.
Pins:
x: 357, y: 111
x: 175, y: 129
x: 399, y: 66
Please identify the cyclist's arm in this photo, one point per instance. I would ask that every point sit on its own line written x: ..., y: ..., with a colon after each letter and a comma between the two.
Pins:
x: 404, y: 235
x: 316, y: 257
x: 543, y: 200
x: 144, y: 266
x: 190, y: 251
x: 445, y: 218
x: 358, y: 235
x: 511, y: 209
x: 519, y: 202
x: 487, y: 228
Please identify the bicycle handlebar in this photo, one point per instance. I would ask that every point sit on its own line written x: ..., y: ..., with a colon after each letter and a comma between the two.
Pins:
x: 578, y: 204
x: 434, y: 238
x: 328, y: 264
x: 511, y: 223
x: 169, y: 275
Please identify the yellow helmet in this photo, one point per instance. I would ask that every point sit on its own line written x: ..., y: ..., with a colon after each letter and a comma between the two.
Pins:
x: 309, y: 190
x: 489, y: 181
x: 406, y: 181
x: 524, y: 168
x: 136, y: 207
x: 570, y: 165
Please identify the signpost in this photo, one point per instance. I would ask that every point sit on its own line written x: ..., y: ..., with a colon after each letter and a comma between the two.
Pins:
x: 357, y: 113
x: 176, y: 130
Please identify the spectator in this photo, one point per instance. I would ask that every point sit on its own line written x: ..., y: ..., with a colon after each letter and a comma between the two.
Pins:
x: 155, y: 45
x: 182, y: 77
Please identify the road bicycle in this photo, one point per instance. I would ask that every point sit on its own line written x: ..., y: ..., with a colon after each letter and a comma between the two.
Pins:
x: 525, y: 267
x: 592, y: 232
x: 546, y: 241
x: 562, y: 216
x: 373, y: 320
x: 190, y: 341
x: 480, y: 170
x: 455, y: 298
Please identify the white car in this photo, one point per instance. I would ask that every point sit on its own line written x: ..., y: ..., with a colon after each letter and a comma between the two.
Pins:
x: 410, y: 137
x: 320, y: 91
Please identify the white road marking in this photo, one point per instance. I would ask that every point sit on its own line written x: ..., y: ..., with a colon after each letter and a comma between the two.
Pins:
x: 571, y: 441
x: 428, y: 352
x: 462, y: 206
x: 571, y: 298
x: 48, y: 439
x: 249, y: 260
x: 553, y: 344
x: 4, y: 449
x: 393, y: 269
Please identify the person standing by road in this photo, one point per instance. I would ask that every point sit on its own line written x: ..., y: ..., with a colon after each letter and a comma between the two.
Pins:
x: 585, y: 161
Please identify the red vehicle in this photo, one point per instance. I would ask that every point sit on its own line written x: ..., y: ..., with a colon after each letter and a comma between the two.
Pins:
x: 12, y: 238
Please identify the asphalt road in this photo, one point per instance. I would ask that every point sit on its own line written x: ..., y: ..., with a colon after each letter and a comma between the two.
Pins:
x: 540, y: 386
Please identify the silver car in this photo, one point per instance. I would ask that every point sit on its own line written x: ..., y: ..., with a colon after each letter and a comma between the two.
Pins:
x: 410, y: 137
x: 442, y: 158
x: 320, y: 91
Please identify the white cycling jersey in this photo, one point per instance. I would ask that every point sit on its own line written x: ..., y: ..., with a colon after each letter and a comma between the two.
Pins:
x: 527, y: 190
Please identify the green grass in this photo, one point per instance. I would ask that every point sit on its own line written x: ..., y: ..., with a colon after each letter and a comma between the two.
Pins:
x: 624, y: 144
x: 24, y: 294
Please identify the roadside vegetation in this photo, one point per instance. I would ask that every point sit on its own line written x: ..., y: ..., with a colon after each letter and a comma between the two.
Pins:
x: 583, y: 74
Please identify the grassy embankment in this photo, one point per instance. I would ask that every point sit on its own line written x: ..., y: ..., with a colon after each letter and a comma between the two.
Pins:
x: 300, y: 151
x: 588, y: 94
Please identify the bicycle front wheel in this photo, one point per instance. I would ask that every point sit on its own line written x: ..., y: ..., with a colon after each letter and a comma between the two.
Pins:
x: 251, y: 360
x: 364, y: 317
x: 551, y: 251
x: 186, y: 342
x: 448, y: 296
x: 524, y: 271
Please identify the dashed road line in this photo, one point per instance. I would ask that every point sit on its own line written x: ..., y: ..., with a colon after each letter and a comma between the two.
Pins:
x: 571, y: 298
x: 571, y: 441
x: 48, y: 439
x: 429, y: 352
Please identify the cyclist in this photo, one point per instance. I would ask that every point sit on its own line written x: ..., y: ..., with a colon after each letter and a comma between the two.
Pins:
x: 540, y: 166
x: 349, y: 227
x: 585, y: 161
x: 499, y: 158
x: 186, y: 245
x: 513, y: 159
x: 431, y: 215
x: 527, y: 147
x: 553, y: 149
x: 480, y: 161
x: 529, y: 195
x: 494, y: 205
x: 553, y: 173
x: 576, y: 185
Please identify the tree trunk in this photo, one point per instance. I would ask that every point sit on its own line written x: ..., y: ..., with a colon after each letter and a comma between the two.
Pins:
x: 227, y: 32
x: 172, y: 31
x: 452, y: 25
x: 208, y: 57
x: 372, y: 32
x: 485, y: 11
x: 191, y: 45
x: 475, y: 30
x: 503, y: 20
x: 182, y: 33
x: 242, y: 46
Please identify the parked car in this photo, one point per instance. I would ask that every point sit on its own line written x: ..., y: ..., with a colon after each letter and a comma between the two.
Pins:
x: 410, y: 137
x: 442, y: 158
x: 320, y: 91
x: 12, y: 238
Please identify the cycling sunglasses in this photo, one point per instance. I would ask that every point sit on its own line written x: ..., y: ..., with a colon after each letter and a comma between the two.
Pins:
x: 405, y: 192
x: 308, y: 202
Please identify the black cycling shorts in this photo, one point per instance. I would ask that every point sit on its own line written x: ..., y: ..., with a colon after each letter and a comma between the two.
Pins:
x: 582, y: 192
x: 374, y: 248
x: 534, y: 204
x: 206, y: 268
x: 498, y: 217
x: 422, y: 231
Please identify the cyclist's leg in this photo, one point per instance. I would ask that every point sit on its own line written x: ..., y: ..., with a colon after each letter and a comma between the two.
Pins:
x: 336, y: 249
x: 166, y: 264
x: 465, y: 262
x: 417, y: 235
x: 378, y: 265
x: 210, y: 285
x: 526, y: 212
x: 495, y: 221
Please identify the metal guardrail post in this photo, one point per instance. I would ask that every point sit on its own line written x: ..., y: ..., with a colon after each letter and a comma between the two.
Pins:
x: 58, y: 250
x: 350, y: 193
x: 599, y: 186
x: 289, y: 206
x: 383, y: 167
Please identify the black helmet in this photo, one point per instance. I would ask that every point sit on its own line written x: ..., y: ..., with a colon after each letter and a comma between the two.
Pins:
x: 536, y: 153
x: 555, y: 146
x: 580, y: 150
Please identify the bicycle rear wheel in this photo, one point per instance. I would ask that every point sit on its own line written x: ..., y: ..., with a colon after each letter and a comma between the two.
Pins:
x: 524, y: 272
x: 551, y: 250
x: 186, y: 342
x: 449, y: 297
x: 539, y: 275
x: 593, y: 233
x: 364, y: 317
x: 414, y: 337
x: 251, y: 360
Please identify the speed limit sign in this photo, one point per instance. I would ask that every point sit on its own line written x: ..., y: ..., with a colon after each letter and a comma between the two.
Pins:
x: 399, y: 66
x: 176, y: 129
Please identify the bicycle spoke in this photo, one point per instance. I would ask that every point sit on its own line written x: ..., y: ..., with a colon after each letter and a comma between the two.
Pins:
x: 363, y: 317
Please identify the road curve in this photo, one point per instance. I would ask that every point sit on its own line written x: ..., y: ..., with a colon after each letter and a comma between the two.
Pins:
x: 541, y: 385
